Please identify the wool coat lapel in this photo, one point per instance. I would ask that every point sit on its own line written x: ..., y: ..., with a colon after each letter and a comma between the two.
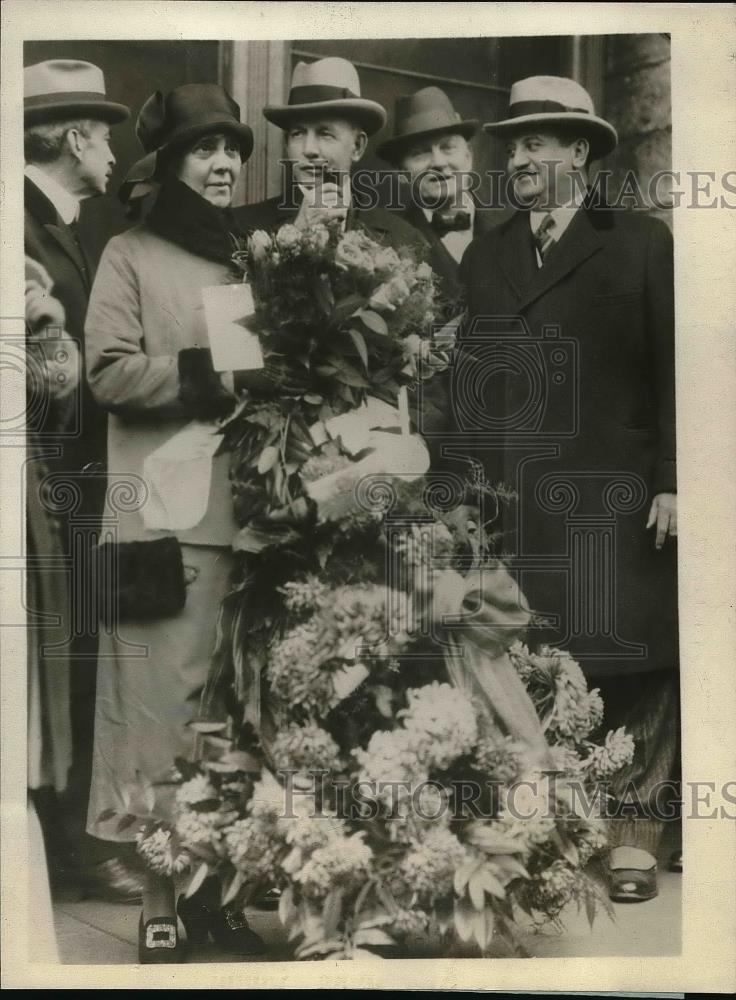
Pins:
x: 579, y: 241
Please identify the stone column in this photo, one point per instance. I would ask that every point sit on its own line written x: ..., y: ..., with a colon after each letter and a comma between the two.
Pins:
x: 637, y: 100
x: 256, y: 74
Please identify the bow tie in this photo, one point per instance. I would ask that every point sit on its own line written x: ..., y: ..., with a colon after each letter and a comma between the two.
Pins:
x: 450, y: 220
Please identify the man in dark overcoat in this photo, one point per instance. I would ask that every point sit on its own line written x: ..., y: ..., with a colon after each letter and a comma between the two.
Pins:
x: 67, y: 120
x: 566, y: 386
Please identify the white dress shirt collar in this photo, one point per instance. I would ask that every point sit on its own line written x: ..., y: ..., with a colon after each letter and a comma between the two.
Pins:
x: 562, y: 215
x: 65, y: 203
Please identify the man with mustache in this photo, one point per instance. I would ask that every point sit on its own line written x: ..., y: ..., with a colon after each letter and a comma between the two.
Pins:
x: 67, y: 121
x: 571, y: 315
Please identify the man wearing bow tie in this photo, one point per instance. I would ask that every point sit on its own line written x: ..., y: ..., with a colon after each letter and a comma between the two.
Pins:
x: 571, y: 311
x: 67, y: 121
x: 432, y: 145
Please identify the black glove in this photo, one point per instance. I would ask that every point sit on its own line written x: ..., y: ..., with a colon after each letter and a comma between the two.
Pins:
x: 200, y: 390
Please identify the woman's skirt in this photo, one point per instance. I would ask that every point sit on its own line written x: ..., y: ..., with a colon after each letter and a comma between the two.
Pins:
x: 149, y: 681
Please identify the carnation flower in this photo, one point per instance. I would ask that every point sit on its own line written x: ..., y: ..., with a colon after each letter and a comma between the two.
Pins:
x: 304, y: 595
x: 553, y: 888
x: 252, y: 849
x: 160, y: 853
x: 343, y: 862
x: 305, y: 748
x: 501, y: 757
x: 288, y: 237
x: 617, y: 752
x: 428, y: 868
x: 202, y: 828
x: 391, y: 757
x: 295, y: 669
x: 442, y: 719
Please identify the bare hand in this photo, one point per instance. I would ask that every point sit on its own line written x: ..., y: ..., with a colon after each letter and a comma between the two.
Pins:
x: 42, y: 309
x: 663, y: 514
x: 321, y: 203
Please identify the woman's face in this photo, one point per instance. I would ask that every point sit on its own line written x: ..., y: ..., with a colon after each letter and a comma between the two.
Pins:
x: 211, y: 168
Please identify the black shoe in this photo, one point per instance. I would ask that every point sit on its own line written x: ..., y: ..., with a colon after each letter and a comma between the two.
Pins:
x: 112, y: 881
x: 159, y: 942
x: 227, y: 927
x: 269, y: 900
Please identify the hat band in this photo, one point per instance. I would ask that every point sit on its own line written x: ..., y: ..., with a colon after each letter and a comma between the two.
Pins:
x: 64, y: 97
x: 316, y: 93
x: 541, y: 108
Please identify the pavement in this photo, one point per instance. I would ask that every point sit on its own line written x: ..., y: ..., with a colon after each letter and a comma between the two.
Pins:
x: 92, y: 932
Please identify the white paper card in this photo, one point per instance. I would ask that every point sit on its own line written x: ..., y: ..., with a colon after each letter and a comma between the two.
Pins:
x: 228, y: 310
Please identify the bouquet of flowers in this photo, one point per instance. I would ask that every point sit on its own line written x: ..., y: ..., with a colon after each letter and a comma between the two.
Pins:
x: 340, y: 765
x: 434, y: 824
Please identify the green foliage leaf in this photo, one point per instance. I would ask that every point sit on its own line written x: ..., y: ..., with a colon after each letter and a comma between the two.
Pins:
x: 126, y: 822
x: 268, y: 458
x: 287, y: 909
x: 465, y: 914
x: 332, y: 911
x: 374, y: 936
x: 375, y: 322
x: 360, y: 345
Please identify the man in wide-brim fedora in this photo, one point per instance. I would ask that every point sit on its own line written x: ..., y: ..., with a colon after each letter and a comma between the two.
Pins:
x: 431, y: 143
x: 579, y: 419
x: 67, y: 120
x: 326, y: 125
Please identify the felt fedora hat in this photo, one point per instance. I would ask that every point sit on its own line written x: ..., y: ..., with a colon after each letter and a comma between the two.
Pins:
x: 331, y: 86
x: 67, y: 88
x: 425, y: 113
x: 550, y: 100
x: 167, y: 124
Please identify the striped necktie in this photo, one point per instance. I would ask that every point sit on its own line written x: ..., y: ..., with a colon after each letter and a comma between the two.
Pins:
x: 542, y: 236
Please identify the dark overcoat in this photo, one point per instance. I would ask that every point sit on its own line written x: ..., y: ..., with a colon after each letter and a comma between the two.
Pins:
x: 565, y: 390
x: 51, y: 242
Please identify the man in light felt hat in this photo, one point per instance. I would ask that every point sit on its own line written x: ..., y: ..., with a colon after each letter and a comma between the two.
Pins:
x: 67, y: 119
x: 326, y: 125
x: 431, y: 143
x: 600, y: 418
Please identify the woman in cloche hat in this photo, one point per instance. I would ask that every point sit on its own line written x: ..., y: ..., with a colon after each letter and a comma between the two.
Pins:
x: 150, y: 366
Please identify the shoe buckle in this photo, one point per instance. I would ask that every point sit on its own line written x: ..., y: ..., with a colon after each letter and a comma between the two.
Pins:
x: 160, y: 936
x: 235, y: 920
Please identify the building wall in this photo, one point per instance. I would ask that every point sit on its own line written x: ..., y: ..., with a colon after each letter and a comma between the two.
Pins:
x: 637, y: 100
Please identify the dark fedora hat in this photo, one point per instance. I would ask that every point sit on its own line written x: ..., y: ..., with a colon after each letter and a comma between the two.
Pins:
x: 167, y: 124
x: 66, y: 88
x: 427, y: 112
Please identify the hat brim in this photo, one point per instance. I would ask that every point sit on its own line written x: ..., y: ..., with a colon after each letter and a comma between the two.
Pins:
x: 178, y: 141
x: 602, y: 135
x: 368, y: 114
x: 393, y: 147
x: 58, y: 110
